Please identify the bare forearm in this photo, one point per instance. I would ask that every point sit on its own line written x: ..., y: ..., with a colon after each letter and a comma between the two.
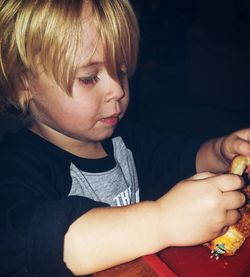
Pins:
x: 192, y: 212
x: 105, y: 237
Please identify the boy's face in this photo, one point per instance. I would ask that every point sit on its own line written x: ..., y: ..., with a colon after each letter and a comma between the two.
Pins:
x: 93, y: 110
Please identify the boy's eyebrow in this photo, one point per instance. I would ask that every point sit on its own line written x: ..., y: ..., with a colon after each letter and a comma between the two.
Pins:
x: 91, y: 64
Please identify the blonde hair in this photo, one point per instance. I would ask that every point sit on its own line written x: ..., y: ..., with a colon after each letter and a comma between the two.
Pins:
x: 51, y: 32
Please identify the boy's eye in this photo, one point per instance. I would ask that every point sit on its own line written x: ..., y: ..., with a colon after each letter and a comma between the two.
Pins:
x: 89, y: 80
x: 122, y: 75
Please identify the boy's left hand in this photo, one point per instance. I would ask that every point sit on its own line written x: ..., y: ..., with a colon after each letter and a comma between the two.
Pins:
x: 216, y: 154
x: 237, y: 143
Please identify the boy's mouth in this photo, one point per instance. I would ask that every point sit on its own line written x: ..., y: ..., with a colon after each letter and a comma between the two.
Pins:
x: 111, y: 120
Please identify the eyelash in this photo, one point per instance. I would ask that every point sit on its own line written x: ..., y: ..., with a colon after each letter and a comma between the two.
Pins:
x: 90, y: 80
x: 93, y: 79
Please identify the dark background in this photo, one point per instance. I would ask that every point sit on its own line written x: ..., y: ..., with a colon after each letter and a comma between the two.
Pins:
x: 193, y: 73
x: 194, y: 67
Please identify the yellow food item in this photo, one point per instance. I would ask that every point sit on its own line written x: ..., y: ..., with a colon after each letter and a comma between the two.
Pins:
x: 232, y: 240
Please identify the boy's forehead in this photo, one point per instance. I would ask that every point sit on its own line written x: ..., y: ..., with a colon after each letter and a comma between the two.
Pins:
x: 91, y: 52
x: 91, y: 48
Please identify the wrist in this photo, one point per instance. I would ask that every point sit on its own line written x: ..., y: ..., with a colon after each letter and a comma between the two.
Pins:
x: 163, y: 222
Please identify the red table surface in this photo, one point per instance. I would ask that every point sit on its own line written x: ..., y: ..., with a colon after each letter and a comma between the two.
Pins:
x: 195, y: 262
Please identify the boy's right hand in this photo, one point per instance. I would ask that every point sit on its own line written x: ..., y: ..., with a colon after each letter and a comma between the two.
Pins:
x: 200, y: 208
x: 194, y: 211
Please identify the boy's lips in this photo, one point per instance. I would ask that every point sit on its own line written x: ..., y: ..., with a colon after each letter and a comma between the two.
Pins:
x: 111, y: 120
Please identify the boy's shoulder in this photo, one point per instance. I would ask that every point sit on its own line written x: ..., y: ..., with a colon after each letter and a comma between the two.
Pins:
x: 26, y: 145
x: 26, y: 156
x: 22, y: 140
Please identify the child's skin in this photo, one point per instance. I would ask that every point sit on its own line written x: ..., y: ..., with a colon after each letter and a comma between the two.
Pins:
x: 194, y: 211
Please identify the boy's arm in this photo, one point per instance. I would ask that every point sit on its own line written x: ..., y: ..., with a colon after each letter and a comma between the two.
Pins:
x: 196, y: 210
x: 216, y: 154
x: 105, y: 237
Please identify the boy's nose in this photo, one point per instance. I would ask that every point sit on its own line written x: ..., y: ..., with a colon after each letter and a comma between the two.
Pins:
x: 115, y: 91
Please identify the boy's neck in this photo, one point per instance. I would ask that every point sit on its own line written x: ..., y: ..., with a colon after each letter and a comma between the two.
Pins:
x: 89, y: 150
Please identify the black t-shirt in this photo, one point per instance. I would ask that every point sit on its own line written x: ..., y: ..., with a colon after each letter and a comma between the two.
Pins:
x: 39, y: 201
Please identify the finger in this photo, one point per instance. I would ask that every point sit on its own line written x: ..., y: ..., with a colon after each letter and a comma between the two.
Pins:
x: 228, y: 182
x: 232, y: 217
x: 241, y: 147
x: 202, y: 175
x: 248, y: 172
x: 233, y: 200
x: 224, y: 230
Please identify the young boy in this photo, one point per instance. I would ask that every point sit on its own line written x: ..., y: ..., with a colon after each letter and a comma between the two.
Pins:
x: 77, y: 194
